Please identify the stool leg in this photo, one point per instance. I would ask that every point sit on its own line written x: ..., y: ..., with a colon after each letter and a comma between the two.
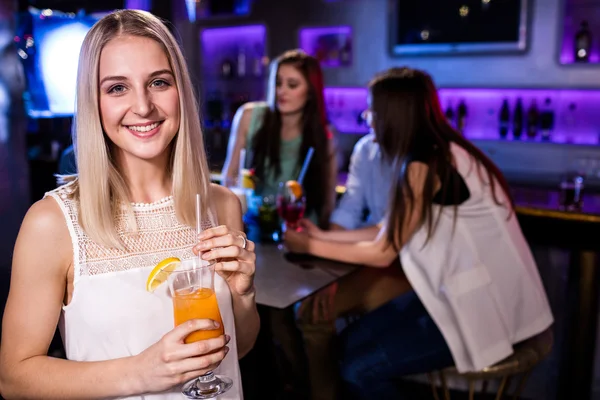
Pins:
x: 471, y: 389
x: 484, y: 386
x: 505, y: 382
x: 444, y: 386
x: 521, y: 385
x: 433, y: 386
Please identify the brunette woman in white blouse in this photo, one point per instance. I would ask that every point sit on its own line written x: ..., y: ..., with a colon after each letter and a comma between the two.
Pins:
x: 451, y: 221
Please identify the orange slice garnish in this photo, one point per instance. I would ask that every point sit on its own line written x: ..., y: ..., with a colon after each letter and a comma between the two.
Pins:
x: 295, y: 188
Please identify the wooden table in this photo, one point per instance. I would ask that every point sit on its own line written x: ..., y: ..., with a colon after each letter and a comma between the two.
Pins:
x: 579, y: 234
x: 282, y: 279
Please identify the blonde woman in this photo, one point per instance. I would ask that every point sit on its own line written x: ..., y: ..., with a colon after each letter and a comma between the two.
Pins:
x: 84, y: 252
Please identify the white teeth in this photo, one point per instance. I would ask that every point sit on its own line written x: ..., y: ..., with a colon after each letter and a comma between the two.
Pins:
x: 146, y: 128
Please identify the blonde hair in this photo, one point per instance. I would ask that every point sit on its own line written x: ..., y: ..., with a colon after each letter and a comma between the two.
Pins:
x: 101, y: 189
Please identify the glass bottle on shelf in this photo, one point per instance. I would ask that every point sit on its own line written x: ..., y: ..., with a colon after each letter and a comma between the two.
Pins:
x: 346, y: 53
x: 518, y: 119
x: 461, y: 119
x: 241, y: 62
x: 546, y: 119
x: 570, y: 123
x: 533, y: 119
x: 583, y: 43
x: 504, y: 119
x: 257, y: 66
x: 450, y: 114
x: 226, y: 68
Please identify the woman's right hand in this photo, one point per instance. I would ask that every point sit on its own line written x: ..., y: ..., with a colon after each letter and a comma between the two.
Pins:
x: 311, y: 229
x: 171, y: 362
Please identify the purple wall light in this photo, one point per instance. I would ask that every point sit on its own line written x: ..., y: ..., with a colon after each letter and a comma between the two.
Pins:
x: 344, y: 108
x: 331, y: 45
x: 219, y: 44
x: 576, y: 117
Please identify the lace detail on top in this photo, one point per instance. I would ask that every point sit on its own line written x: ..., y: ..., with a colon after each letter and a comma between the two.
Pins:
x: 159, y: 235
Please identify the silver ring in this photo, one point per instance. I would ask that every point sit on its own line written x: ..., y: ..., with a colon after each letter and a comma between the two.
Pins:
x: 245, y: 242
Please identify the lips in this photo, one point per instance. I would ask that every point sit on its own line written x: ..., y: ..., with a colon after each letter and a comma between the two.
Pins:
x: 145, y: 130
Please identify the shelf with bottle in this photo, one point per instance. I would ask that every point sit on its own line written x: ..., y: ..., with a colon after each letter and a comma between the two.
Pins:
x: 331, y: 45
x: 234, y: 53
x: 580, y: 34
x: 565, y: 116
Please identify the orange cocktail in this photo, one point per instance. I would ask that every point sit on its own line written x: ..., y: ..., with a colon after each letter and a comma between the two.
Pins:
x: 200, y: 303
x: 193, y: 292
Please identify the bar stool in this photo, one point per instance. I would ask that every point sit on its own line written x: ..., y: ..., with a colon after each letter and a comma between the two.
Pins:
x: 526, y: 356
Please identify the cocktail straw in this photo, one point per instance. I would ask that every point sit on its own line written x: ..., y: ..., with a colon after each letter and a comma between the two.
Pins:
x: 241, y: 167
x: 198, y: 226
x: 309, y: 155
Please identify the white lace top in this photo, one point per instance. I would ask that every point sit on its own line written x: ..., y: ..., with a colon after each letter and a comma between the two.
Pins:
x: 111, y: 315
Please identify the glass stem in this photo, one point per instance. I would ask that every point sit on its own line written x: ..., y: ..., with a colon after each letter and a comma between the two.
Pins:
x: 207, y: 377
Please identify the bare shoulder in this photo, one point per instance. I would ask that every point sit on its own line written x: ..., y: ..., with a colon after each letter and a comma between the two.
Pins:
x: 243, y: 117
x: 44, y: 231
x: 227, y: 205
x: 416, y: 173
x: 45, y: 217
x: 247, y: 109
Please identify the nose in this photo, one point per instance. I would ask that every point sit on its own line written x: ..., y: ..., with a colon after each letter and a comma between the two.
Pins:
x: 143, y: 105
x: 281, y: 91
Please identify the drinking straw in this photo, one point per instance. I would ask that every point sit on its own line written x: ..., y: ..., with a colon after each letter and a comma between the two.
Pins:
x: 309, y: 155
x: 241, y: 167
x: 198, y: 225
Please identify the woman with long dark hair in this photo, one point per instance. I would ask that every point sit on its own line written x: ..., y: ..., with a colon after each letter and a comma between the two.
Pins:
x: 278, y: 133
x: 476, y: 290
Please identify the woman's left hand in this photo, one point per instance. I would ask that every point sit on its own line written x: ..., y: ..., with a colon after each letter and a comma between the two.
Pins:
x: 296, y: 242
x: 234, y: 256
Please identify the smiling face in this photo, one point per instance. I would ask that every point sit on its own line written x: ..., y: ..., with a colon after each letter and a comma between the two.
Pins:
x: 139, y: 101
x: 292, y: 89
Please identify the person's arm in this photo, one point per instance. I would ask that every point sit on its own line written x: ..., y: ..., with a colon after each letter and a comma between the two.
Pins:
x: 41, y: 262
x: 378, y: 252
x: 348, y: 214
x: 340, y: 235
x: 247, y: 321
x: 237, y: 141
x: 331, y: 184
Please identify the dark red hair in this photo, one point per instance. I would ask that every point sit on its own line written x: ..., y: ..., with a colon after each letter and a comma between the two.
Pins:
x: 267, y: 141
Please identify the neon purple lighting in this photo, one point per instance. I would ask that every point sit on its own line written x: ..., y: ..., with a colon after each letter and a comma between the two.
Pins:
x: 138, y: 4
x: 576, y: 116
x: 571, y: 21
x: 344, y: 107
x: 219, y: 44
x: 332, y: 45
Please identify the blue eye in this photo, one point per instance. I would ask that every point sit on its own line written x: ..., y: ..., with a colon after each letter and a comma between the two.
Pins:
x: 117, y: 89
x: 160, y: 83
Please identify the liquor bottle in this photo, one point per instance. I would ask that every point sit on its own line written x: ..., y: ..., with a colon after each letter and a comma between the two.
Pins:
x: 226, y: 68
x: 570, y: 123
x: 504, y: 119
x: 583, y: 43
x: 533, y: 120
x: 518, y: 119
x: 461, y: 120
x: 346, y: 53
x: 546, y: 119
x: 241, y: 62
x: 257, y: 65
x: 450, y: 115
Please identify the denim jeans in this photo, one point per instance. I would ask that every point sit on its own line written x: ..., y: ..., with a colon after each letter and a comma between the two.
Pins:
x: 397, y: 339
